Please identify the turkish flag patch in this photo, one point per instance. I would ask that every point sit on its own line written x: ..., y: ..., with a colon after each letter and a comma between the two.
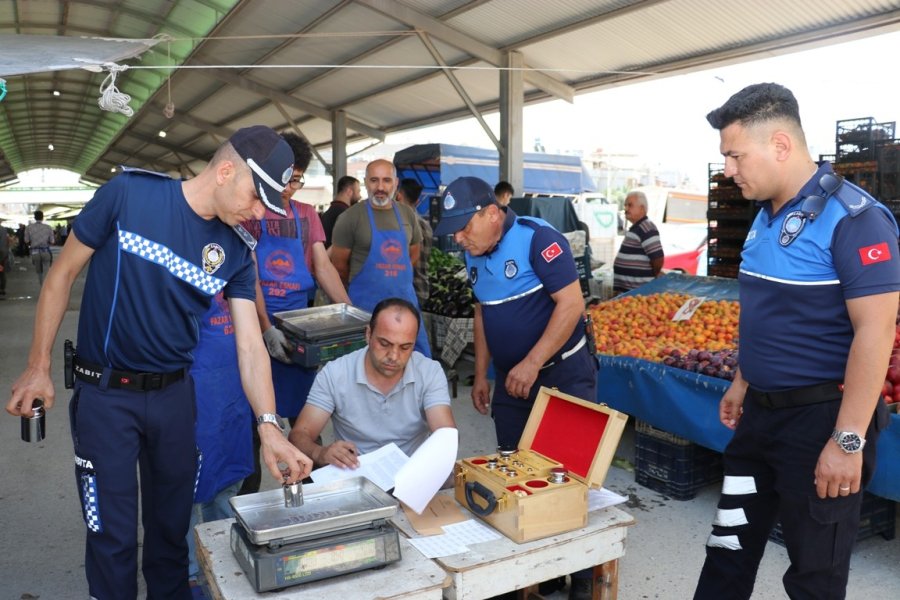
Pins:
x: 551, y: 252
x: 875, y: 254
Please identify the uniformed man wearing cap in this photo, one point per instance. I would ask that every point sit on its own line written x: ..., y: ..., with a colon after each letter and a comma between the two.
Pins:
x: 529, y: 310
x: 160, y: 250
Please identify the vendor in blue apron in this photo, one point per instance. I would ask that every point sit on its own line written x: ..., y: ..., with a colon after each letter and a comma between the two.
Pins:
x: 291, y: 258
x: 380, y: 266
x: 223, y: 425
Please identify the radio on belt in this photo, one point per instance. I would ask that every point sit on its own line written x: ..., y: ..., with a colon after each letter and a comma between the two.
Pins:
x: 340, y: 528
x: 323, y: 333
x: 541, y: 489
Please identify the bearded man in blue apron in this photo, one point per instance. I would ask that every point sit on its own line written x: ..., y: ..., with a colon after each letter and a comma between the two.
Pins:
x: 291, y: 259
x: 375, y: 245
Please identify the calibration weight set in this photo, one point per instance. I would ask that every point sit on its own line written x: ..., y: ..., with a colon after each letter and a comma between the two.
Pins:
x: 541, y: 488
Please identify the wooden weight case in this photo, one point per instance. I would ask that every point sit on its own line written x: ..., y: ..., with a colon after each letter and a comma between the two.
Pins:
x: 541, y: 489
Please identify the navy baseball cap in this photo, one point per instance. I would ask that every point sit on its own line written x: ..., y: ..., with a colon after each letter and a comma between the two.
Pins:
x: 270, y: 159
x: 460, y: 201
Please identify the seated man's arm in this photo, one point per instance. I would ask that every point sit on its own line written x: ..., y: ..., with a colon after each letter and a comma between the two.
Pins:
x: 306, y: 431
x: 439, y: 416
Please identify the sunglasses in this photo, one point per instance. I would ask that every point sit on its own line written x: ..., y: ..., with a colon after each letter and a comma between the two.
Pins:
x: 813, y: 205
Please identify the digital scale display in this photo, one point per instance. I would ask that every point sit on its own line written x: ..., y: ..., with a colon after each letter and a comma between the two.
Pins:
x: 344, y: 557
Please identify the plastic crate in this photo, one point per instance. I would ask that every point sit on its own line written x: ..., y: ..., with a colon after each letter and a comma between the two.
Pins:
x: 672, y: 465
x: 878, y: 516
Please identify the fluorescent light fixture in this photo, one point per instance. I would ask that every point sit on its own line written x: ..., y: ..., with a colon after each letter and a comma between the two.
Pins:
x: 162, y: 133
x: 50, y: 147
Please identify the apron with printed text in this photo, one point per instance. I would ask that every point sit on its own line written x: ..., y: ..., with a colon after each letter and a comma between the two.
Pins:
x: 387, y: 273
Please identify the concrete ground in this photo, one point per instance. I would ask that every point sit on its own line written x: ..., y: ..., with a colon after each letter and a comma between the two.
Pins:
x: 41, y: 531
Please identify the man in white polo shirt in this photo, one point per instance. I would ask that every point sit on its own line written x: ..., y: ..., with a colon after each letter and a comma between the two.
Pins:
x: 386, y: 392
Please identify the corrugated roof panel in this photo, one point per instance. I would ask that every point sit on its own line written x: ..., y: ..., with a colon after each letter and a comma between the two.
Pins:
x: 532, y: 17
x: 341, y: 86
x: 683, y: 29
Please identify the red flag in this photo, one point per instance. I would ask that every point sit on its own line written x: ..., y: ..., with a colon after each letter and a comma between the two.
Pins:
x: 875, y: 254
x: 551, y: 252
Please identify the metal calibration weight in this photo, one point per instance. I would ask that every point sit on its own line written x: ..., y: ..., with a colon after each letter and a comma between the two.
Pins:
x: 33, y: 427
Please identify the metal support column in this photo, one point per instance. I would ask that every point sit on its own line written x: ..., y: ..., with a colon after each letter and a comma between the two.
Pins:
x: 512, y: 99
x: 338, y: 145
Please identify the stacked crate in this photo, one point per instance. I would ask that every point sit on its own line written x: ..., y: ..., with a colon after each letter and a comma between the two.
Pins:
x: 730, y: 217
x: 672, y: 465
x: 867, y: 153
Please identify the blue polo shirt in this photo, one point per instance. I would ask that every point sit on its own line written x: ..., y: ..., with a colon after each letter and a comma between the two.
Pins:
x: 514, y: 283
x: 796, y: 276
x: 155, y: 269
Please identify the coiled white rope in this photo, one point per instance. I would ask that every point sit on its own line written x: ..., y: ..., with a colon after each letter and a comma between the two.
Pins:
x: 111, y: 99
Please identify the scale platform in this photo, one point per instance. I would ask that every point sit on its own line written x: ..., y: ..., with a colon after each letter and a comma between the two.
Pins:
x: 323, y: 333
x: 341, y: 528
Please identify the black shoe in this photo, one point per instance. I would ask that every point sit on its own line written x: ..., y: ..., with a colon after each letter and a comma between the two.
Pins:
x: 580, y: 589
x: 551, y: 585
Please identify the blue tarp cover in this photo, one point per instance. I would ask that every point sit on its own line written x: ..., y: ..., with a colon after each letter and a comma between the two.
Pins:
x: 543, y: 173
x: 687, y: 404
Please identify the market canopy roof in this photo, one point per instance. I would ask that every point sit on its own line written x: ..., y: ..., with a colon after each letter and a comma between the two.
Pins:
x: 379, y: 66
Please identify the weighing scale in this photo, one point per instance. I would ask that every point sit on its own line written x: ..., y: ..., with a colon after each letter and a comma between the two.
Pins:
x: 323, y: 333
x: 340, y: 528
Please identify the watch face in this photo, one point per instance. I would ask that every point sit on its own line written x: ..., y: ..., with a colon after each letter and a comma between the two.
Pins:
x: 851, y: 442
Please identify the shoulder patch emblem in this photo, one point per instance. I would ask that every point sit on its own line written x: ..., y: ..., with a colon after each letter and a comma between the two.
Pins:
x: 875, y: 254
x: 449, y: 201
x: 213, y: 257
x: 511, y: 269
x: 551, y: 252
x: 473, y: 274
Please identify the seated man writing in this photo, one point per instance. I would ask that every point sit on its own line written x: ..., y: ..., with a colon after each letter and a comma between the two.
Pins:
x: 383, y: 393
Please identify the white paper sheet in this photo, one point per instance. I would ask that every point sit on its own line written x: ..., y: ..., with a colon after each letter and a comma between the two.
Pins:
x: 380, y: 467
x: 434, y: 546
x: 603, y: 498
x: 471, y: 531
x: 422, y: 476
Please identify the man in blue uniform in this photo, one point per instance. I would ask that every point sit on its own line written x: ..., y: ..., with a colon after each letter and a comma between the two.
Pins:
x: 159, y: 249
x: 529, y: 311
x: 819, y: 278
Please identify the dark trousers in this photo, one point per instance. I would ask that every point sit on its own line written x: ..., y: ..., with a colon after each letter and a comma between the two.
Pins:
x: 576, y: 376
x: 769, y: 475
x: 113, y: 432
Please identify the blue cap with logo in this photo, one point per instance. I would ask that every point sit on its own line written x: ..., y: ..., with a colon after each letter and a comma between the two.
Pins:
x: 460, y: 201
x: 270, y: 159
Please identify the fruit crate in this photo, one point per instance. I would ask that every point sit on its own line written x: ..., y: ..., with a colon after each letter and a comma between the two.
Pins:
x: 855, y: 139
x: 878, y: 516
x: 672, y: 465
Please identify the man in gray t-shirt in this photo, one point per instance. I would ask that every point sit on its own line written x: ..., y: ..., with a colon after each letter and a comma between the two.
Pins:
x: 385, y: 392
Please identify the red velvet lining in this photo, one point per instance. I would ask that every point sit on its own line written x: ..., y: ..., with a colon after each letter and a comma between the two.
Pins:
x: 571, y: 434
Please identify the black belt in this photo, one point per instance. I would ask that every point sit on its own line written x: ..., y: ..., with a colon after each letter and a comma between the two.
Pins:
x: 813, y: 394
x: 126, y: 380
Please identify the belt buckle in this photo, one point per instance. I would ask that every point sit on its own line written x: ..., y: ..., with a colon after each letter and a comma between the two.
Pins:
x: 153, y: 381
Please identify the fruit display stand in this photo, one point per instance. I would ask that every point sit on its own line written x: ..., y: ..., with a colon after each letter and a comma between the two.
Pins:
x: 687, y: 404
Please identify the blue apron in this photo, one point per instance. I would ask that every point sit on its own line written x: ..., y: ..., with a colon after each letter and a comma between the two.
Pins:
x: 223, y: 413
x: 286, y: 284
x: 387, y: 273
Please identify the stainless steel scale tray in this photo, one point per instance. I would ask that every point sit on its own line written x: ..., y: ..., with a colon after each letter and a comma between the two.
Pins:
x: 321, y: 322
x: 326, y: 508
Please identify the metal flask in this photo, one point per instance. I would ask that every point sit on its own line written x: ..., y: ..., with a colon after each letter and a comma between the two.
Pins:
x: 33, y: 427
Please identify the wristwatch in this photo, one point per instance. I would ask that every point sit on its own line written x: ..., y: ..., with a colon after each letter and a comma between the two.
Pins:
x: 849, y: 442
x: 270, y: 418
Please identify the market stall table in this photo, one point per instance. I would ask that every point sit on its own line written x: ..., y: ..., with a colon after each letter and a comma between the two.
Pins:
x: 502, y: 565
x: 414, y: 577
x: 687, y: 404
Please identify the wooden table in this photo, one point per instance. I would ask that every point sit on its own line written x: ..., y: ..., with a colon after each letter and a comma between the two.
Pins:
x: 502, y: 565
x: 413, y: 577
